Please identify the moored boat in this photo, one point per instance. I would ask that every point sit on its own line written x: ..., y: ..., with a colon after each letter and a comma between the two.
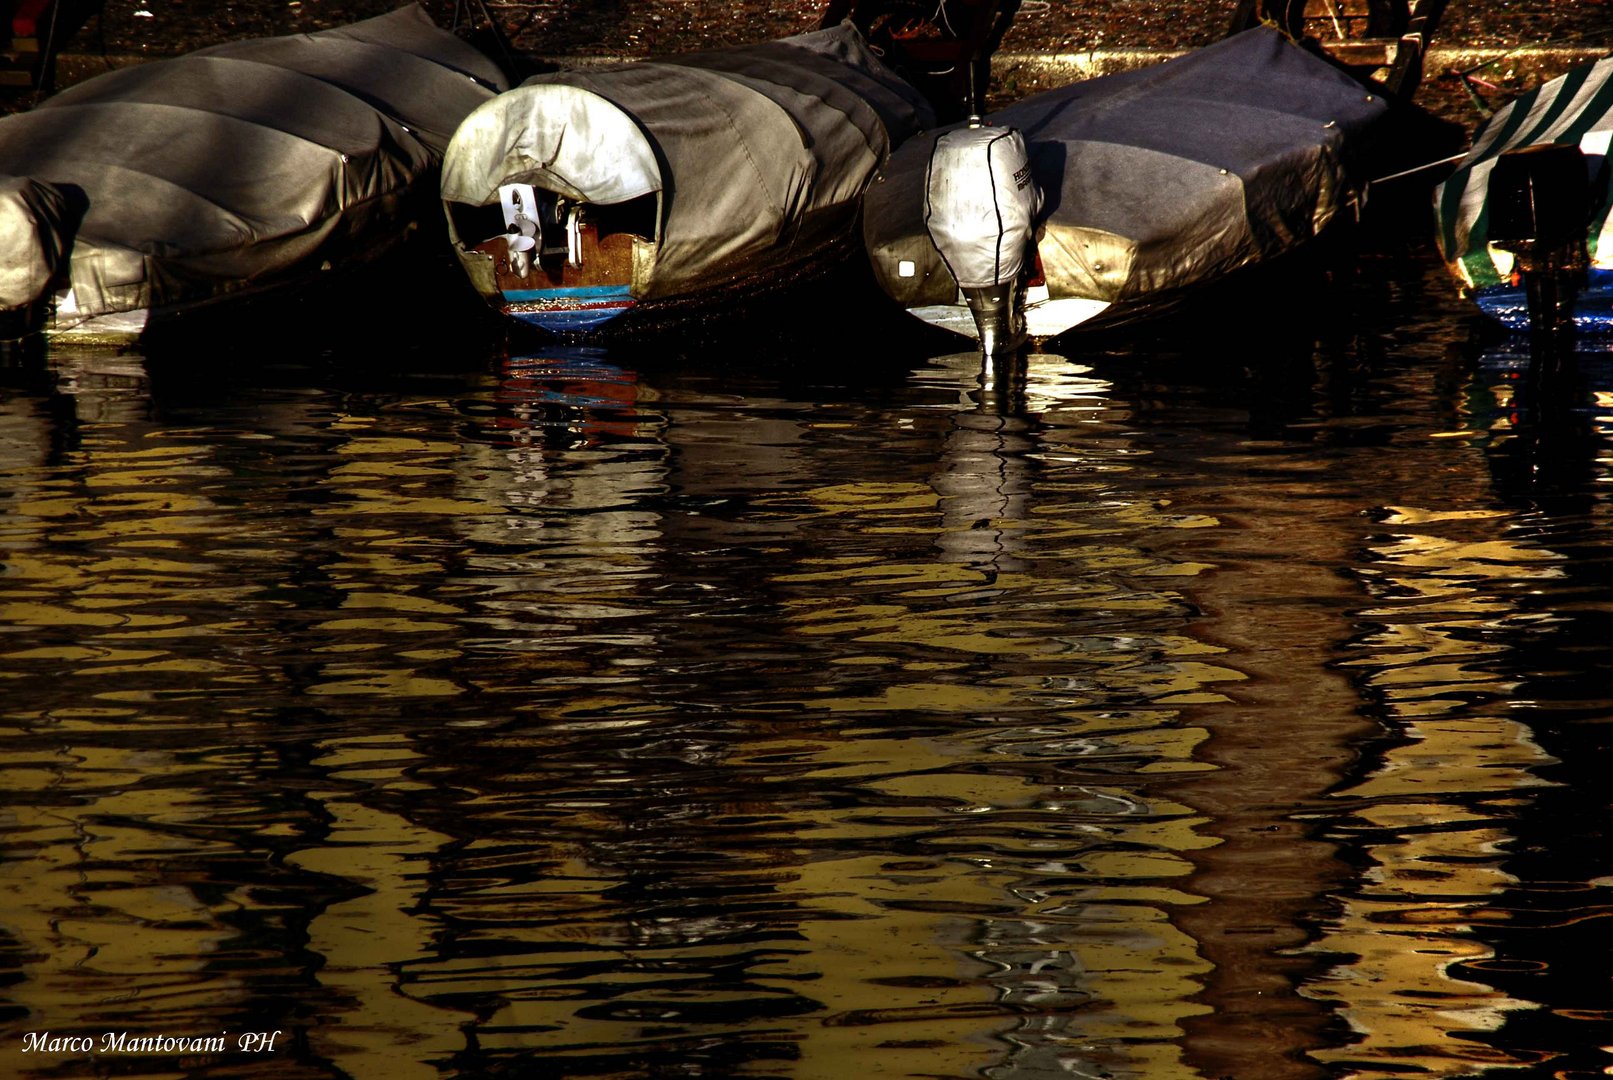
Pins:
x: 584, y: 196
x: 1531, y: 205
x: 1112, y: 200
x: 141, y: 197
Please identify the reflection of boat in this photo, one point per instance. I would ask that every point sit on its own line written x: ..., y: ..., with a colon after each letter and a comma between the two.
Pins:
x: 572, y: 396
x: 582, y: 194
x: 160, y: 189
x: 1573, y: 112
x: 1109, y: 199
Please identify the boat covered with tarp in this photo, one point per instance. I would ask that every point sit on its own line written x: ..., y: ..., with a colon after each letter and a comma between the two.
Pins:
x: 1111, y: 199
x: 585, y: 195
x: 1532, y: 201
x: 151, y: 192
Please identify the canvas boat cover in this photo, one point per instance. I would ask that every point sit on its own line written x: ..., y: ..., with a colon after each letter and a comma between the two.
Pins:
x: 35, y: 232
x: 749, y: 150
x: 1573, y: 110
x: 245, y: 164
x: 981, y: 204
x: 1156, y: 179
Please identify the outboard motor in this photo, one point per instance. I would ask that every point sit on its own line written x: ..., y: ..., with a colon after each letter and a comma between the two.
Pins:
x: 1540, y: 204
x: 980, y: 208
x: 37, y: 222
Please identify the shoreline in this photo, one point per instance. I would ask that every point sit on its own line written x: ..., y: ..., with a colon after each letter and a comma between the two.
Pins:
x: 1018, y: 74
x: 1048, y: 45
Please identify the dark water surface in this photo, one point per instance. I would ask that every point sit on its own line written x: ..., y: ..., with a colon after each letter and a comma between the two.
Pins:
x: 1234, y: 707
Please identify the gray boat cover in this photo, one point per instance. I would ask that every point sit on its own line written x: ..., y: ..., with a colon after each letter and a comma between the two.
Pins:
x: 752, y: 149
x: 1156, y: 179
x: 243, y: 165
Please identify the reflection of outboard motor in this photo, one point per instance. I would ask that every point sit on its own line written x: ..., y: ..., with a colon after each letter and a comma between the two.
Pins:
x: 37, y: 222
x: 980, y: 208
x: 1539, y: 200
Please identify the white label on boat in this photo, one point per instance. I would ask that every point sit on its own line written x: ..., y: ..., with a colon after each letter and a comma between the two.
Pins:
x: 905, y: 268
x: 1595, y: 142
x: 520, y: 204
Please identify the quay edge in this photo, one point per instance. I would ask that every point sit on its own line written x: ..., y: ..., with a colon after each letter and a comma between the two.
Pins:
x: 1016, y: 74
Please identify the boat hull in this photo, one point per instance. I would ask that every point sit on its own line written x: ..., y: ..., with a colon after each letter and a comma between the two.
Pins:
x: 1045, y: 317
x: 566, y: 311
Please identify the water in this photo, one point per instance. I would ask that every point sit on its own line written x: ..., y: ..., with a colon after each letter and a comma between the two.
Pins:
x: 1220, y: 705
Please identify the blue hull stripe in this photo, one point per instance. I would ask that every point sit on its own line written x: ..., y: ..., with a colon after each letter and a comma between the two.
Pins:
x: 568, y: 321
x: 574, y: 293
x: 569, y: 310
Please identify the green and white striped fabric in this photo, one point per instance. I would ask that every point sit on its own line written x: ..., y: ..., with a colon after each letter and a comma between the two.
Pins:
x: 1576, y: 109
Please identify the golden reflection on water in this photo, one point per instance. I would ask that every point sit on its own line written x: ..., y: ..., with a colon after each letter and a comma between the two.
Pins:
x: 363, y: 940
x: 561, y: 717
x: 898, y: 956
x: 1432, y: 815
x: 106, y: 940
x: 989, y: 894
x: 1088, y: 952
x: 126, y: 903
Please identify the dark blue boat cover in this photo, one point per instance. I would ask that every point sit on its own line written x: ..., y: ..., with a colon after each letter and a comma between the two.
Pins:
x: 1157, y: 179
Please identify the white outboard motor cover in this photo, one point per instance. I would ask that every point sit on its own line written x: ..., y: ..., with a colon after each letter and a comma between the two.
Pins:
x: 980, y: 204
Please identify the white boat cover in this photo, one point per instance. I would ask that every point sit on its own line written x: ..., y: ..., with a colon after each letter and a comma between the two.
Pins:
x: 1157, y: 179
x: 247, y: 164
x: 754, y: 151
x: 1573, y: 110
x: 981, y: 204
x: 35, y: 231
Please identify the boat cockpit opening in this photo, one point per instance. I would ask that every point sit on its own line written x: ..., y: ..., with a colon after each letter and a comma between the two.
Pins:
x: 635, y: 217
x: 551, y: 221
x: 535, y: 239
x: 474, y: 224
